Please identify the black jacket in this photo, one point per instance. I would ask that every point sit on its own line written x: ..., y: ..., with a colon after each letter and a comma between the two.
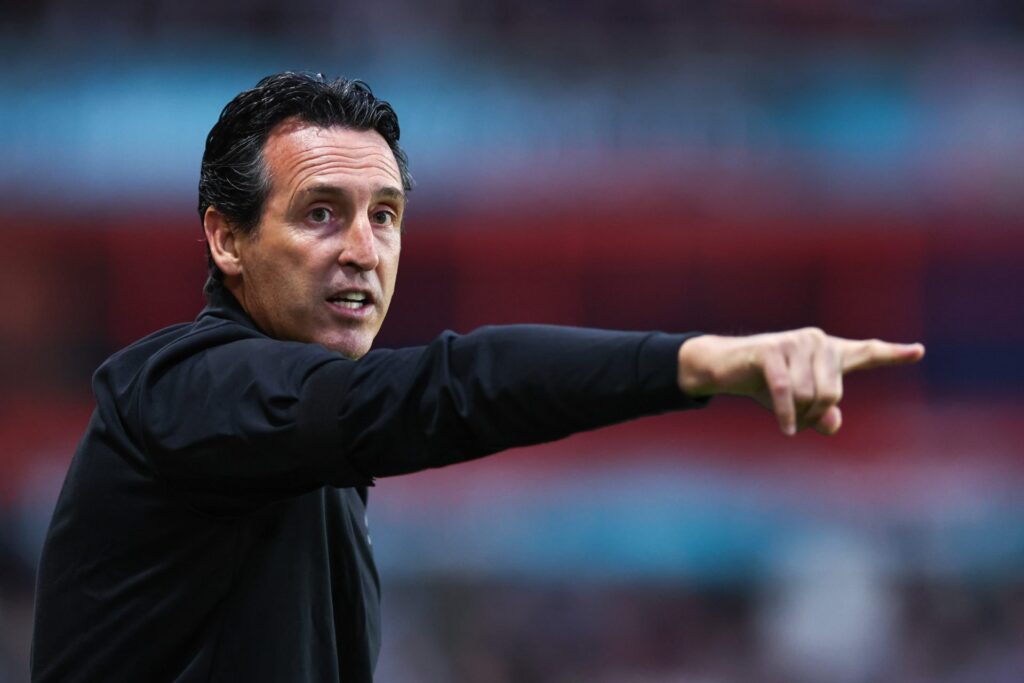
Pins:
x: 212, y: 523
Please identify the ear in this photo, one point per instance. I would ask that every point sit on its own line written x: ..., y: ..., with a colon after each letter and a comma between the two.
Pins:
x: 223, y: 245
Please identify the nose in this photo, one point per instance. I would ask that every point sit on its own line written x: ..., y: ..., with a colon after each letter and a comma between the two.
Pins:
x: 359, y: 249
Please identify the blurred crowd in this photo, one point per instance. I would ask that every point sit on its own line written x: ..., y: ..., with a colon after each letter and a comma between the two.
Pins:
x: 510, y: 632
x: 729, y: 166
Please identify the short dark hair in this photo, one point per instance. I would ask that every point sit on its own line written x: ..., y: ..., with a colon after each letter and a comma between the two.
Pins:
x: 233, y: 178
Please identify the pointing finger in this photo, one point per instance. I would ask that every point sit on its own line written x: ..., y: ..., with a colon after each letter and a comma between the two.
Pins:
x: 874, y: 353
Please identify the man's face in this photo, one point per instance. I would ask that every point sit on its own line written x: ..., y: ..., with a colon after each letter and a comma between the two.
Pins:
x: 321, y: 265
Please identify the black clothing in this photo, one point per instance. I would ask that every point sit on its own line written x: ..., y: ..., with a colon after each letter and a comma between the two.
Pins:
x: 212, y: 523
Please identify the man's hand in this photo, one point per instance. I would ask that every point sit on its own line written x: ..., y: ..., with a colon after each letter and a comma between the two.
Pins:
x: 797, y: 374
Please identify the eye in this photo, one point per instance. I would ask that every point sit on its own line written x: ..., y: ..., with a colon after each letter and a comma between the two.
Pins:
x: 385, y: 217
x: 319, y: 215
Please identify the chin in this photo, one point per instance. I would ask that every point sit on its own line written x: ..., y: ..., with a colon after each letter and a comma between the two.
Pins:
x: 348, y: 347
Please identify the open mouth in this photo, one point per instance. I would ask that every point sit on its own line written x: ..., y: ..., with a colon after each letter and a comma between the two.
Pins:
x: 352, y: 301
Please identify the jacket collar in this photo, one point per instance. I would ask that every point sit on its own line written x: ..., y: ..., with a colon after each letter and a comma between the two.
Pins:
x: 221, y: 303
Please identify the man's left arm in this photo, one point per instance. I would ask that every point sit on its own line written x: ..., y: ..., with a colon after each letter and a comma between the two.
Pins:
x: 467, y: 396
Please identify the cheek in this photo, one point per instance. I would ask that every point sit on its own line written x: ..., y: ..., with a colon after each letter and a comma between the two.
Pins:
x: 295, y: 264
x: 282, y: 276
x: 390, y: 263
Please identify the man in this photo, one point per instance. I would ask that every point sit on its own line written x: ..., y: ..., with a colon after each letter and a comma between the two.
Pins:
x: 212, y: 523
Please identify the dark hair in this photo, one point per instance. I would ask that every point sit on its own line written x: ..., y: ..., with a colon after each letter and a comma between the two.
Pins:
x: 233, y: 177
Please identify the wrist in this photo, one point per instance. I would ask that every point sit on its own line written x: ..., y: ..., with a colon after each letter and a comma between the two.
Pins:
x: 695, y: 370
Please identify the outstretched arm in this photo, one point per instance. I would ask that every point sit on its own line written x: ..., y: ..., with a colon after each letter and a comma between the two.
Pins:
x: 796, y: 374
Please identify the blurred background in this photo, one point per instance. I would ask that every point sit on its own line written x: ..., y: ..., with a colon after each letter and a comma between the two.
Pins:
x: 732, y: 167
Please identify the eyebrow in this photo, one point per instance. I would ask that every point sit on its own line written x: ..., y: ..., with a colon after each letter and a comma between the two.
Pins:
x: 319, y: 190
x: 391, y: 193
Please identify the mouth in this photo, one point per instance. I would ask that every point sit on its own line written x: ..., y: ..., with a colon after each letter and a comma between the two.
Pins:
x: 352, y: 302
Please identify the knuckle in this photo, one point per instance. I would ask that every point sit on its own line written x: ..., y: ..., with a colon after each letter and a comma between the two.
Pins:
x: 779, y: 386
x: 830, y: 397
x: 877, y: 349
x: 803, y: 394
x: 771, y: 363
x: 815, y: 337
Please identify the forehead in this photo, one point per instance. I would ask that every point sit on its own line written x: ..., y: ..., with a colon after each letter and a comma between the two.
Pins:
x: 298, y: 154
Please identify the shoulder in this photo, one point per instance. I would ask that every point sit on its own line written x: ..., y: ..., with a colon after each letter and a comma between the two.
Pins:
x: 209, y: 350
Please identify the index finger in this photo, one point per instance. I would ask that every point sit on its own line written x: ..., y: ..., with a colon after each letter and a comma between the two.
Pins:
x: 862, y: 354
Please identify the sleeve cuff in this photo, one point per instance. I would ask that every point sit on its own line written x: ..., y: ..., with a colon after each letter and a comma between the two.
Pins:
x: 658, y: 371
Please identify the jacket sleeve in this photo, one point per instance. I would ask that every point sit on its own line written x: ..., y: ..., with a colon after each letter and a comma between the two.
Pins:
x: 259, y: 416
x: 463, y: 397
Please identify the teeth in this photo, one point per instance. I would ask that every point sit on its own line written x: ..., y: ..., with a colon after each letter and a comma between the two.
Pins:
x: 350, y: 299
